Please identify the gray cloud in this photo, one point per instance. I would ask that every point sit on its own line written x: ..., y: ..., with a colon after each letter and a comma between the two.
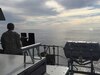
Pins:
x: 35, y: 8
x: 38, y: 8
x: 74, y: 4
x: 27, y: 8
x: 13, y: 17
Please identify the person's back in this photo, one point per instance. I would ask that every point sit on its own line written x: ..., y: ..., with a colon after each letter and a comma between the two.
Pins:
x: 10, y: 41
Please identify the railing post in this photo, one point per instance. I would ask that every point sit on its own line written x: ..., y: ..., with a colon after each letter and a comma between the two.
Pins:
x: 49, y: 49
x: 58, y: 55
x: 24, y: 58
x: 31, y: 56
x: 26, y: 49
x: 53, y: 49
x: 33, y: 53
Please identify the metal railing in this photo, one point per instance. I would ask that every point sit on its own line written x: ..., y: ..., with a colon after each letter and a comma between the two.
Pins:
x: 29, y: 50
x: 46, y: 49
x: 53, y: 50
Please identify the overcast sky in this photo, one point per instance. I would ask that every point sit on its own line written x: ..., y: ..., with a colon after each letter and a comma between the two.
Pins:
x: 51, y: 14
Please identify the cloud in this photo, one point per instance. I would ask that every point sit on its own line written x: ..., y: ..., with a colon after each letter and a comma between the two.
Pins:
x: 55, y: 5
x: 35, y: 8
x: 42, y: 14
x: 13, y: 17
x: 28, y: 7
x: 74, y: 4
x: 85, y: 12
x: 25, y: 11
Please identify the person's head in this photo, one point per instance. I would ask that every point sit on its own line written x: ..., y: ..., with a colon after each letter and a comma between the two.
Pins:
x: 10, y: 26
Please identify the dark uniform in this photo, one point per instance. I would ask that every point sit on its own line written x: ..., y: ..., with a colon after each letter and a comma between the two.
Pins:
x: 10, y: 42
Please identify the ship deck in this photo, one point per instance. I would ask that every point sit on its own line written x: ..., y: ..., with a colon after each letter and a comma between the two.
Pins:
x: 13, y: 65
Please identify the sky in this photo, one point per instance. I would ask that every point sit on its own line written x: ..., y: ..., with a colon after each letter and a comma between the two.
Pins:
x: 51, y: 14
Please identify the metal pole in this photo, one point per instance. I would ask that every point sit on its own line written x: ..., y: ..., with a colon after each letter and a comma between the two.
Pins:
x: 57, y: 55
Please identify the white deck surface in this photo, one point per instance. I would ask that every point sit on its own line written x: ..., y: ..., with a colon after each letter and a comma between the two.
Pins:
x: 13, y: 64
x: 56, y: 70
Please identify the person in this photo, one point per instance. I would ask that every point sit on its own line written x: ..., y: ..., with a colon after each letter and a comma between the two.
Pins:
x: 10, y: 41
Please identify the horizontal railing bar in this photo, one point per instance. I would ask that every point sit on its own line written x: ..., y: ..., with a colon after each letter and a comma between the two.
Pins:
x: 30, y: 46
x: 52, y: 46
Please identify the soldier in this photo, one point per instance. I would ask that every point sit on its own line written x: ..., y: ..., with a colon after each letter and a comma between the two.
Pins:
x: 10, y: 41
